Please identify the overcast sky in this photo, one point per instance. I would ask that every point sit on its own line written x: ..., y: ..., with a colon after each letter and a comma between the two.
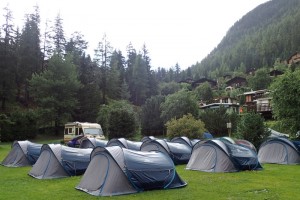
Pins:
x: 174, y: 31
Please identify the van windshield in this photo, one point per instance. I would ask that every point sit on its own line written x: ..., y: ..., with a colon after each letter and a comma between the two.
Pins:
x: 93, y: 131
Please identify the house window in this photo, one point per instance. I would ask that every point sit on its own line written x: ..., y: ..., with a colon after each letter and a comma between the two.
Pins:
x: 248, y: 98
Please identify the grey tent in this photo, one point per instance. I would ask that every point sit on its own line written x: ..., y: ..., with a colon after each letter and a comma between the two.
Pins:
x: 241, y: 142
x: 277, y: 134
x: 147, y: 138
x: 116, y: 171
x: 245, y: 143
x: 194, y: 141
x: 183, y: 140
x: 178, y: 152
x: 220, y: 156
x: 58, y: 161
x: 279, y: 150
x: 92, y: 143
x: 122, y: 142
x: 207, y: 135
x: 22, y: 153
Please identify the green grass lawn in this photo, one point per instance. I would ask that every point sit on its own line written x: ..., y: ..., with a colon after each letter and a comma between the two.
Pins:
x: 273, y: 182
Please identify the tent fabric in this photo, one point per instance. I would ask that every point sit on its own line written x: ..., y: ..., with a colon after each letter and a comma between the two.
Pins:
x: 23, y: 153
x: 115, y: 171
x: 147, y: 138
x: 277, y: 134
x: 220, y: 156
x: 122, y: 142
x: 92, y: 143
x: 207, y: 135
x: 178, y: 152
x: 245, y: 143
x: 182, y: 140
x: 58, y: 161
x: 279, y: 150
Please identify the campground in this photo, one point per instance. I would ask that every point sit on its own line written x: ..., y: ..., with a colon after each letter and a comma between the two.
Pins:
x: 273, y: 182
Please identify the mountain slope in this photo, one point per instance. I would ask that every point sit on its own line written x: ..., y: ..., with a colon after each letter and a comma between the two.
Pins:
x: 268, y: 32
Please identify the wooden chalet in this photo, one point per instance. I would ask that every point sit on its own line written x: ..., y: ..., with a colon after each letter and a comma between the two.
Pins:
x: 295, y: 58
x: 236, y: 82
x: 227, y: 102
x: 198, y: 82
x: 259, y: 102
x: 188, y: 80
x: 275, y: 72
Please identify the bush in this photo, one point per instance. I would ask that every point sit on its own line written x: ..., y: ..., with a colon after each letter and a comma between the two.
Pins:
x: 118, y: 119
x: 186, y: 126
x: 216, y: 120
x: 151, y: 122
x: 121, y: 124
x: 251, y: 127
x: 22, y: 126
x: 178, y: 104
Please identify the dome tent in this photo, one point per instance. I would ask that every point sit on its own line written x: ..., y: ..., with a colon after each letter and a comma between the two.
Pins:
x: 87, y: 142
x: 22, y: 153
x: 58, y: 161
x: 116, y: 171
x: 182, y: 140
x: 279, y: 150
x: 220, y: 156
x: 147, y: 138
x: 178, y: 152
x: 122, y: 142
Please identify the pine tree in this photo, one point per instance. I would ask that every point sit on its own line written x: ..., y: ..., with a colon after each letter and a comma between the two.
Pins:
x: 7, y: 60
x: 55, y: 89
x: 59, y: 36
x: 30, y: 54
x: 102, y: 58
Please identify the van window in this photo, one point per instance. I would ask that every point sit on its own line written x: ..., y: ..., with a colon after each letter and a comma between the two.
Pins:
x: 78, y: 131
x: 68, y: 131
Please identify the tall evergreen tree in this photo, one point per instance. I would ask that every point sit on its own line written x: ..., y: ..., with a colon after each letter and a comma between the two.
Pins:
x: 47, y: 49
x: 59, y: 39
x: 89, y: 94
x: 7, y: 60
x: 131, y: 56
x: 151, y: 81
x: 76, y: 46
x: 54, y: 90
x: 102, y: 58
x: 140, y: 84
x: 30, y: 55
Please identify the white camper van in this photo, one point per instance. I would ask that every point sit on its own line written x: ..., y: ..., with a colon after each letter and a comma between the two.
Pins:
x: 75, y: 129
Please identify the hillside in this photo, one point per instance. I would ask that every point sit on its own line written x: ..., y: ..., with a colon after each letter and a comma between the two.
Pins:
x: 268, y: 32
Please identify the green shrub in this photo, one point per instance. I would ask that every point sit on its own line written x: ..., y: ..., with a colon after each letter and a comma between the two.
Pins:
x: 251, y: 127
x: 22, y: 126
x: 216, y: 120
x: 186, y: 126
x: 118, y: 119
x: 151, y: 122
x: 121, y: 124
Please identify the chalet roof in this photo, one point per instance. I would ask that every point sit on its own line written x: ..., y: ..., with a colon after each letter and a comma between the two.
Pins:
x: 203, y: 80
x: 217, y: 105
x: 235, y: 79
x: 188, y: 80
x: 275, y: 72
x: 292, y: 58
x: 256, y: 92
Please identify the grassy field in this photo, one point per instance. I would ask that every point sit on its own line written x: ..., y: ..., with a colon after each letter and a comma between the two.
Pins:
x: 273, y: 182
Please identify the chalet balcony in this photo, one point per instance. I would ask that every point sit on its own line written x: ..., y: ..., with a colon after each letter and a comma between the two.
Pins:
x: 263, y: 107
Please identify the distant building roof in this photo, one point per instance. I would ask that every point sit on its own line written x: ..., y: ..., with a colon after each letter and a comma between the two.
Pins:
x: 203, y: 80
x: 295, y: 58
x: 217, y: 105
x: 236, y: 80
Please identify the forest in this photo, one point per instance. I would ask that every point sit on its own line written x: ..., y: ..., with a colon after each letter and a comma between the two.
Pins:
x: 47, y: 80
